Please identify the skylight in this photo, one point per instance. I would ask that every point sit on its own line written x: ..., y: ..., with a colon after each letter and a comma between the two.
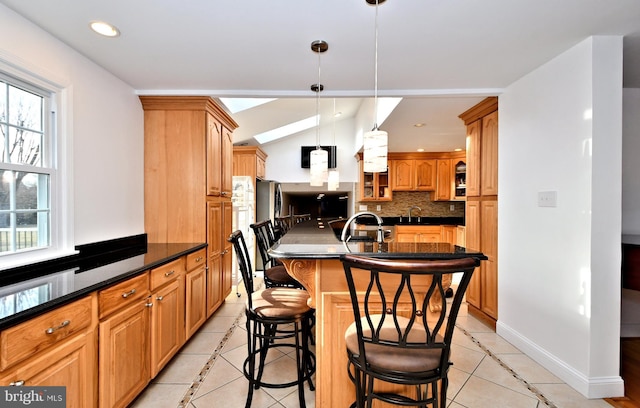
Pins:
x: 236, y: 105
x: 286, y: 130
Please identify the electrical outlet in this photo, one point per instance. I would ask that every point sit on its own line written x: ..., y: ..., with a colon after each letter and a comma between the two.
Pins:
x: 378, y: 207
x: 363, y: 207
x: 547, y: 198
x: 452, y: 207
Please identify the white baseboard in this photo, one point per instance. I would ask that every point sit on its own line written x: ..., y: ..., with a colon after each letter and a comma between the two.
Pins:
x: 594, y: 387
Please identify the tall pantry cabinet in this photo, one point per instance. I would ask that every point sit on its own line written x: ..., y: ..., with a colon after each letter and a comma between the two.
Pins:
x: 481, y: 216
x: 188, y: 162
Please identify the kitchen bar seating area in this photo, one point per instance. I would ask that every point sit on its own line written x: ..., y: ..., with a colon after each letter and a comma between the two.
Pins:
x: 487, y: 371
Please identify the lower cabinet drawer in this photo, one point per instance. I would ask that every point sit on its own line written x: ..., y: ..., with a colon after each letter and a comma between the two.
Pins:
x: 24, y: 340
x: 122, y: 294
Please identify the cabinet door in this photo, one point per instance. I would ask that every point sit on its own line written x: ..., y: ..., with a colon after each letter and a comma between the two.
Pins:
x: 443, y: 187
x: 473, y: 159
x: 196, y: 300
x: 489, y: 246
x: 472, y: 232
x: 167, y: 324
x: 374, y: 186
x: 403, y: 173
x: 459, y: 179
x: 213, y: 155
x: 70, y: 364
x: 225, y: 159
x: 261, y: 168
x: 489, y: 155
x: 449, y: 234
x: 214, y: 284
x: 124, y: 357
x: 227, y: 252
x: 425, y: 175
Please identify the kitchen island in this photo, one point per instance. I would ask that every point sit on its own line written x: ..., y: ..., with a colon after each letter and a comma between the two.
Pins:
x: 311, y: 253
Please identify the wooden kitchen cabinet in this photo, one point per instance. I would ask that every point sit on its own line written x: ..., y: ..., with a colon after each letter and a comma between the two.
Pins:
x: 196, y: 294
x: 188, y: 168
x: 449, y: 234
x: 124, y: 358
x: 215, y: 269
x: 249, y: 161
x: 444, y: 177
x: 459, y: 179
x: 167, y: 313
x: 414, y: 174
x: 374, y: 186
x: 227, y: 249
x: 57, y: 348
x: 418, y: 233
x: 481, y: 214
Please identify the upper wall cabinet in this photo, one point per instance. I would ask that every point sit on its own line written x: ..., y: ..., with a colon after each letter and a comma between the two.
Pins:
x: 249, y: 161
x: 374, y: 186
x: 414, y: 174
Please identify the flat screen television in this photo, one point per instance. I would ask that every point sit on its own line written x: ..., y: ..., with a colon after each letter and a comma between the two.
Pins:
x: 305, y: 156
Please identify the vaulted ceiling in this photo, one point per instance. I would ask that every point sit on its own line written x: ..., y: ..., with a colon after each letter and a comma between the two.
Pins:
x: 440, y: 56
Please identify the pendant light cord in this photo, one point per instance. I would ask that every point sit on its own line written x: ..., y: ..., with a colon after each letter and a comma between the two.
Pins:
x: 375, y: 82
x: 319, y: 88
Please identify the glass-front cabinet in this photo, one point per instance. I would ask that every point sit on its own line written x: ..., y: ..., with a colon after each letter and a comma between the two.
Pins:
x: 460, y: 180
x: 374, y: 186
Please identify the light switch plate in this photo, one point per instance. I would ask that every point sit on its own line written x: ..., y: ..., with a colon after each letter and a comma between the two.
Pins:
x: 363, y: 207
x: 547, y: 198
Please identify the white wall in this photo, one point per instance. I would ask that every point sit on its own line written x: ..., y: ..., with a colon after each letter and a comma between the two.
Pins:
x: 283, y: 161
x: 631, y: 162
x: 105, y: 127
x: 559, y: 268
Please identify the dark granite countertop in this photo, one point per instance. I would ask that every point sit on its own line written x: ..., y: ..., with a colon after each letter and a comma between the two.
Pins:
x: 415, y: 220
x: 58, y: 283
x: 311, y: 240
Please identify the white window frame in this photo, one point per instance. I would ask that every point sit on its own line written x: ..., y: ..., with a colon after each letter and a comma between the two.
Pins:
x: 61, y: 161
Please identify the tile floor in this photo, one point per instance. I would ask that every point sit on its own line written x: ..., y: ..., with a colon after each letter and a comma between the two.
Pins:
x: 488, y: 372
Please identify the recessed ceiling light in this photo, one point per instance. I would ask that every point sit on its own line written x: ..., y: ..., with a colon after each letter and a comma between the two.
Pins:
x: 458, y: 149
x: 421, y: 149
x: 419, y: 125
x: 105, y: 29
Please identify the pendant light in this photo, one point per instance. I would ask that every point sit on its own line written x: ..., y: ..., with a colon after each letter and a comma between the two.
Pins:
x: 319, y: 160
x: 333, y: 181
x: 375, y: 142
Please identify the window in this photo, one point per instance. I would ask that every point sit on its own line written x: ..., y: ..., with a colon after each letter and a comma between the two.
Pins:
x: 26, y: 167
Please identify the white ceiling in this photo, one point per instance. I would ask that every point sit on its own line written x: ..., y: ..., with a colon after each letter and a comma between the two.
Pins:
x: 443, y: 56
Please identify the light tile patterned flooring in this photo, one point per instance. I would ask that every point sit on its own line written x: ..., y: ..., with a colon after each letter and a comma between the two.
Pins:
x: 487, y: 372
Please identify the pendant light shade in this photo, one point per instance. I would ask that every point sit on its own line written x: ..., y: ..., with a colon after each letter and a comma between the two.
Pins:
x: 319, y: 160
x: 319, y: 164
x: 375, y: 151
x: 334, y: 180
x: 375, y: 142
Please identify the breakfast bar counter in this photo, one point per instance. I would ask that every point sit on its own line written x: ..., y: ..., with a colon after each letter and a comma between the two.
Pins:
x: 311, y: 253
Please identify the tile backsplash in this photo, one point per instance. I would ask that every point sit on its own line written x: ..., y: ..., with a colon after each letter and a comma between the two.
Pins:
x: 403, y: 200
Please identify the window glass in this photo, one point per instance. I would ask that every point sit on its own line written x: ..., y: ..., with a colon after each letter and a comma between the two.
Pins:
x: 25, y: 183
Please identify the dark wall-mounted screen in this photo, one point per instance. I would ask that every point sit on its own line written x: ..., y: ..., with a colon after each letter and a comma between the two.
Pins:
x: 305, y: 156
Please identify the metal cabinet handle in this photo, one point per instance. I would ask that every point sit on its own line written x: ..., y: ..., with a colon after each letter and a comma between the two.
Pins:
x: 51, y: 330
x: 148, y: 304
x: 167, y: 274
x: 129, y: 293
x: 198, y: 259
x: 18, y: 383
x: 159, y: 298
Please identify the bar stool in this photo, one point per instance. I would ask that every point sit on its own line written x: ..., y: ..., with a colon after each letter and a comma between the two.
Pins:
x: 394, y: 337
x: 267, y: 311
x: 275, y: 274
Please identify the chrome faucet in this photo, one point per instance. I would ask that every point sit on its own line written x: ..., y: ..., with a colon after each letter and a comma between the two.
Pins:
x: 415, y: 207
x: 345, y: 229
